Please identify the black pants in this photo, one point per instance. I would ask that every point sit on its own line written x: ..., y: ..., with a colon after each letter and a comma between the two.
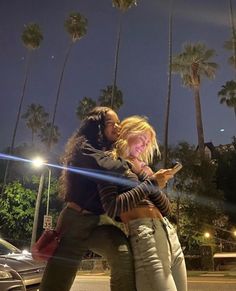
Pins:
x: 95, y: 233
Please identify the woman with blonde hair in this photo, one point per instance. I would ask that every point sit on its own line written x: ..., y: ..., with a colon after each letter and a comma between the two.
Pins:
x: 158, y: 257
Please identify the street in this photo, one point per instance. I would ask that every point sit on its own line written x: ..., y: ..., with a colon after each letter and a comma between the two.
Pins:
x: 91, y: 283
x: 101, y: 283
x: 211, y: 284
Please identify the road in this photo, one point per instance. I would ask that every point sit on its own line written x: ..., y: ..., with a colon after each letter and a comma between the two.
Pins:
x: 211, y: 284
x: 101, y: 283
x: 91, y: 283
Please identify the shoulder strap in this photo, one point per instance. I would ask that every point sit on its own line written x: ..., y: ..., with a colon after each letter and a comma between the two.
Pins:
x: 58, y: 227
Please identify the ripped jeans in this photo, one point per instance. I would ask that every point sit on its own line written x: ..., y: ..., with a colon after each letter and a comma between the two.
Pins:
x: 159, y: 260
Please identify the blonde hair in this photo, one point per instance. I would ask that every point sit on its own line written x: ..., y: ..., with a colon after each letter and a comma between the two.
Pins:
x: 131, y: 127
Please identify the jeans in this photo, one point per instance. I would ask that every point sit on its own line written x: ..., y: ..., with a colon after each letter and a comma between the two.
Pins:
x: 82, y: 232
x: 158, y: 257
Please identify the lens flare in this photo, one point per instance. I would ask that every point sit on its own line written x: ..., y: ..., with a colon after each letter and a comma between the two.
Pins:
x: 96, y: 174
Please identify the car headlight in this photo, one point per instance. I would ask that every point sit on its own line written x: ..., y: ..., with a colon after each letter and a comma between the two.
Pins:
x: 5, y: 275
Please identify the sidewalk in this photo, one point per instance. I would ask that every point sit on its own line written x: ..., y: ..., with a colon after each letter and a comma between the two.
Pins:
x: 212, y: 274
x: 189, y: 273
x: 197, y: 280
x: 88, y: 281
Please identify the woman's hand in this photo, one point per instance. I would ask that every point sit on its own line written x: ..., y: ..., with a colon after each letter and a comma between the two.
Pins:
x: 139, y: 167
x: 162, y: 177
x: 136, y: 165
x: 147, y: 170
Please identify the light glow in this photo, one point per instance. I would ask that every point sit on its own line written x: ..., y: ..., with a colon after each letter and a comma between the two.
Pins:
x: 207, y: 235
x: 38, y: 162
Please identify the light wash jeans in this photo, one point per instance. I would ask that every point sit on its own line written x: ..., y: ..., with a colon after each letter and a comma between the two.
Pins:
x: 95, y: 233
x: 158, y: 257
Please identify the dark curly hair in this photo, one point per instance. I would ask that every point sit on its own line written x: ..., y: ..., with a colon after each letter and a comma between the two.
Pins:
x: 92, y: 128
x: 90, y: 131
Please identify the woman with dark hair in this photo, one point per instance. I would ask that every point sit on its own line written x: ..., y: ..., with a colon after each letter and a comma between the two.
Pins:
x: 83, y: 223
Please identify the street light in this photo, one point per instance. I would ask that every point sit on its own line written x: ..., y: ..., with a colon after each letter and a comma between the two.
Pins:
x: 207, y: 235
x: 38, y: 163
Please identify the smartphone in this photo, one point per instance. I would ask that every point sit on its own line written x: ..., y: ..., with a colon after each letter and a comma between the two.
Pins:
x: 176, y: 168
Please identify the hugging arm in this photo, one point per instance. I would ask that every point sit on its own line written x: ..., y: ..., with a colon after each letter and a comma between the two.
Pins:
x: 114, y: 203
x: 158, y: 198
x: 161, y: 201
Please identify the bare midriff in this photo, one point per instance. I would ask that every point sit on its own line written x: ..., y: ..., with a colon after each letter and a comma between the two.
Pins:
x: 141, y: 212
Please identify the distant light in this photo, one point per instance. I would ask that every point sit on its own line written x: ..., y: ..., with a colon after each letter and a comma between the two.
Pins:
x: 222, y: 129
x: 207, y: 235
x: 52, y: 57
x: 38, y: 162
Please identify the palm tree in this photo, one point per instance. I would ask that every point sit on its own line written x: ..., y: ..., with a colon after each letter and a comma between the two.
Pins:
x: 166, y: 129
x: 76, y: 26
x: 231, y: 44
x: 47, y: 135
x: 85, y: 105
x: 123, y: 6
x: 36, y: 118
x: 31, y: 38
x: 107, y: 94
x: 192, y: 64
x: 228, y: 95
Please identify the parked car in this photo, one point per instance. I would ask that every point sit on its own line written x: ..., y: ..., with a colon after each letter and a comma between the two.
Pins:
x: 18, y: 270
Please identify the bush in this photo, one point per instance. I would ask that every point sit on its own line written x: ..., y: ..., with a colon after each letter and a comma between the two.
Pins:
x: 193, y: 262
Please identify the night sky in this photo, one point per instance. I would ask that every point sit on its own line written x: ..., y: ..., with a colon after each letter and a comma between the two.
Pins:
x: 142, y: 72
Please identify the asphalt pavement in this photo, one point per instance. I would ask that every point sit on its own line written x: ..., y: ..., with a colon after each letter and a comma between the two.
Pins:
x: 197, y: 281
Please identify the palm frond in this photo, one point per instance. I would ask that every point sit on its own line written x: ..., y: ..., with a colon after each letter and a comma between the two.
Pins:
x: 227, y: 94
x: 193, y: 61
x: 76, y: 26
x: 124, y: 5
x: 32, y: 36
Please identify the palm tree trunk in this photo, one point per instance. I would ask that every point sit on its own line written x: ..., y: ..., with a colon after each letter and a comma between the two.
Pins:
x: 116, y: 60
x: 233, y: 31
x: 166, y: 130
x: 17, y: 119
x: 58, y: 95
x: 199, y: 120
x: 32, y: 138
x: 40, y: 190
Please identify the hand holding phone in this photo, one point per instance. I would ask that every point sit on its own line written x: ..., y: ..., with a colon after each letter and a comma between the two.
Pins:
x: 176, y: 168
x: 162, y: 176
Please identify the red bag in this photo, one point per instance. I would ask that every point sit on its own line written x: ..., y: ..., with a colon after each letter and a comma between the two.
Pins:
x: 46, y: 245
